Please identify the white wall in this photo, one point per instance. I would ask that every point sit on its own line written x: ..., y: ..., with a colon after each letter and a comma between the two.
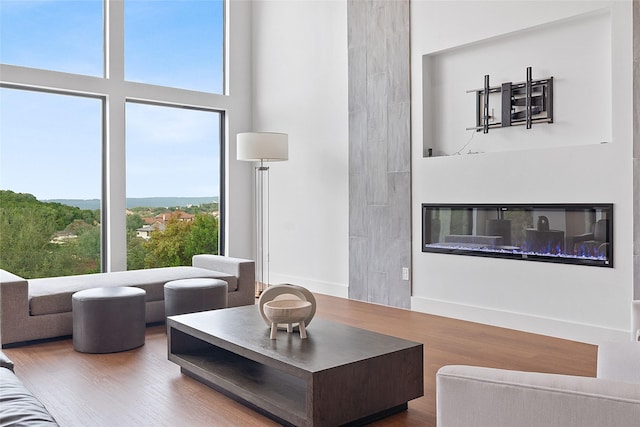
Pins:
x: 576, y: 302
x: 300, y: 88
x: 575, y: 51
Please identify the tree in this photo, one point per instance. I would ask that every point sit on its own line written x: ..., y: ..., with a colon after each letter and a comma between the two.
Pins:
x: 27, y: 227
x: 203, y: 238
x: 180, y: 240
x: 134, y: 222
x: 136, y: 251
x: 166, y: 248
x: 28, y: 247
x: 88, y: 249
x: 25, y: 236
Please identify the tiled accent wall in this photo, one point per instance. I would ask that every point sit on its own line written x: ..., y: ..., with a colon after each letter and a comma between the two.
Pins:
x: 379, y: 151
x: 636, y: 149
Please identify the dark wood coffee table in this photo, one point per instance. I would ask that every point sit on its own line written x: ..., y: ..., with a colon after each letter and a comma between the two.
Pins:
x: 338, y: 375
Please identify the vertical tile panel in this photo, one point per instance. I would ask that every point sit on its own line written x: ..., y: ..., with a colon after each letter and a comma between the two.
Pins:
x: 376, y: 157
x: 376, y: 47
x: 398, y: 17
x: 376, y: 93
x: 400, y: 206
x: 357, y: 176
x: 376, y: 171
x: 356, y: 23
x: 358, y: 223
x: 400, y: 290
x: 379, y: 164
x: 379, y: 219
x: 358, y: 255
x: 378, y: 289
x: 358, y: 140
x: 357, y: 78
x: 398, y: 137
x: 397, y: 67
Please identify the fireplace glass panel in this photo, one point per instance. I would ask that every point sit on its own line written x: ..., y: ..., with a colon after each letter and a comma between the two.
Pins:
x: 563, y: 233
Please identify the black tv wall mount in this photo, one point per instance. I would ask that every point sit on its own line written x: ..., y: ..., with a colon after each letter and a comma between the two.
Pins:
x: 523, y: 103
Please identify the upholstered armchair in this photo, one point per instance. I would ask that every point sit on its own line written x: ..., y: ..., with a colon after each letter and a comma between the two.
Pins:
x: 474, y: 396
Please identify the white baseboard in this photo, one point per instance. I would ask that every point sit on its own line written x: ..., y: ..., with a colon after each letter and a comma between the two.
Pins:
x: 580, y: 332
x: 522, y: 322
x: 333, y: 289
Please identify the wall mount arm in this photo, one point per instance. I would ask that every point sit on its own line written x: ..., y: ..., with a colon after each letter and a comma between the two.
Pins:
x: 524, y: 103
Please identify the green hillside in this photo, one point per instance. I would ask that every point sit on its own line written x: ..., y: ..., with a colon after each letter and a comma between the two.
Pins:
x: 32, y: 233
x: 137, y: 202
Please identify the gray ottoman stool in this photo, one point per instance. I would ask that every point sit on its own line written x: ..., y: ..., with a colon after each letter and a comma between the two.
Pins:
x: 108, y: 320
x: 192, y: 295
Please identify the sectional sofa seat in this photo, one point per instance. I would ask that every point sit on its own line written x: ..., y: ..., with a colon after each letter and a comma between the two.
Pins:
x: 41, y: 308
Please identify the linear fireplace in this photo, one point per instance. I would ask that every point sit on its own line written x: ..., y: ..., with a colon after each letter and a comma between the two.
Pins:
x: 563, y: 233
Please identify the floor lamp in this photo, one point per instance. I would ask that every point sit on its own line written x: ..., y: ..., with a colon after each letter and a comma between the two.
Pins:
x: 262, y: 147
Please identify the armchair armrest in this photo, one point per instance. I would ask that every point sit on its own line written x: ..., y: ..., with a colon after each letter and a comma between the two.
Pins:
x: 218, y: 263
x: 620, y: 361
x: 14, y: 306
x: 243, y: 269
x: 474, y: 396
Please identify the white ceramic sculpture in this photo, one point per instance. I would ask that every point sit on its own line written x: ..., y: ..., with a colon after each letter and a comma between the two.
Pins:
x: 286, y: 292
x: 287, y: 311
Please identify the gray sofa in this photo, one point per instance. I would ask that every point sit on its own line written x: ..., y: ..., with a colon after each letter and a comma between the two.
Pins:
x: 41, y: 308
x: 18, y: 406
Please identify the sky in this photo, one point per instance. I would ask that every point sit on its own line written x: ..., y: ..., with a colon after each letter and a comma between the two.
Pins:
x: 50, y: 144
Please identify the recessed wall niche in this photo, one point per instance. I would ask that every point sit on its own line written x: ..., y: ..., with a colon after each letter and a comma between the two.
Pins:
x: 575, y: 51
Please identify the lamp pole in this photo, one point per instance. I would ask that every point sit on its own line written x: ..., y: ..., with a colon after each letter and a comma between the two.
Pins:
x: 262, y: 147
x: 262, y: 227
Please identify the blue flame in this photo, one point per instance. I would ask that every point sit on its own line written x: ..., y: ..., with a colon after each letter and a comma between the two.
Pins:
x: 557, y: 251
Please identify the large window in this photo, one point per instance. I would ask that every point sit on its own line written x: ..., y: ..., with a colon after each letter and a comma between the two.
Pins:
x: 173, y: 158
x: 49, y: 183
x: 53, y: 35
x: 175, y: 43
x: 104, y: 107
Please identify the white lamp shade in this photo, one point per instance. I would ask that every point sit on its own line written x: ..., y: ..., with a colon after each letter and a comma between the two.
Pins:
x: 263, y: 146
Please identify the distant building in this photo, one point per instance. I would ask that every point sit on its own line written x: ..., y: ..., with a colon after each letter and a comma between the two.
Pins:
x: 145, y: 231
x: 62, y: 237
x: 166, y: 216
x: 157, y: 223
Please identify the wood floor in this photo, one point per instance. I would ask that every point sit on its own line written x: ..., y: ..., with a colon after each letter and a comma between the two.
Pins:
x: 142, y: 388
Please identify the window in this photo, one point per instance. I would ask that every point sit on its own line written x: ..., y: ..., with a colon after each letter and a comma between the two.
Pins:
x: 175, y: 43
x: 116, y: 125
x: 49, y: 183
x: 173, y: 170
x: 54, y: 35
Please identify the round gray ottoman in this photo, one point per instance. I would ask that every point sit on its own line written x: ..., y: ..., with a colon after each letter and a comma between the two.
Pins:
x: 192, y: 295
x: 108, y: 320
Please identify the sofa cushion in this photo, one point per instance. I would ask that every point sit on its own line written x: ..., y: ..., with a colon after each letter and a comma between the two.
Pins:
x: 18, y: 407
x: 53, y: 294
